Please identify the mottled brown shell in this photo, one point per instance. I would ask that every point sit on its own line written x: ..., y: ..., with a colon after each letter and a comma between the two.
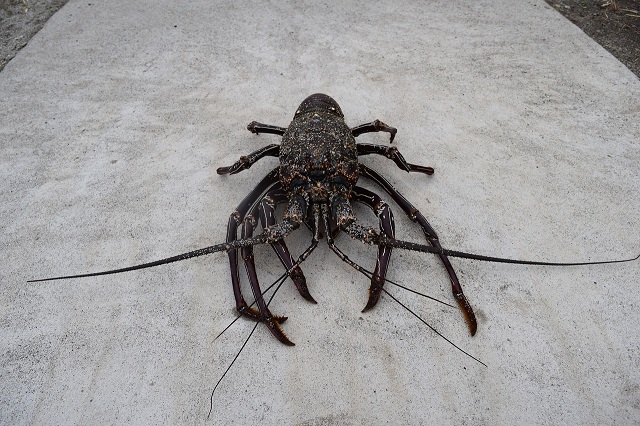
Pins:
x: 318, y: 153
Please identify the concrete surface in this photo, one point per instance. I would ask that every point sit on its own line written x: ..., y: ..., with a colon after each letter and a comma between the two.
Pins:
x: 116, y: 115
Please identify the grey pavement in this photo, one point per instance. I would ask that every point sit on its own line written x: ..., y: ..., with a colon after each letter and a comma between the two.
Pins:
x: 114, y: 118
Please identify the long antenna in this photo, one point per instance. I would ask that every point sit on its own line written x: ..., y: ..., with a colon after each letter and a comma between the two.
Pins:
x: 383, y: 240
x: 259, y: 239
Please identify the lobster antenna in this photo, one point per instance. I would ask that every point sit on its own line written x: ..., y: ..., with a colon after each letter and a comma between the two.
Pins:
x: 350, y: 262
x: 371, y: 275
x: 365, y: 272
x: 281, y: 281
x: 259, y: 239
x: 383, y: 240
x: 230, y: 365
x: 432, y: 328
x: 282, y: 277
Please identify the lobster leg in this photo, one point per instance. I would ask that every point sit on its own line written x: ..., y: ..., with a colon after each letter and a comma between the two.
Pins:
x: 246, y: 161
x: 432, y: 238
x: 267, y: 218
x: 374, y: 126
x: 392, y: 153
x: 257, y: 128
x: 232, y: 234
x: 266, y: 317
x: 385, y: 218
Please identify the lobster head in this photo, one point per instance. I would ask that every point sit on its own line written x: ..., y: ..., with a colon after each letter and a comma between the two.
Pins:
x: 321, y: 103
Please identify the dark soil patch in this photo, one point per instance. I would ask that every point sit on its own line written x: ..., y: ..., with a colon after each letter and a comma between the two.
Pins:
x: 615, y: 25
x: 19, y: 21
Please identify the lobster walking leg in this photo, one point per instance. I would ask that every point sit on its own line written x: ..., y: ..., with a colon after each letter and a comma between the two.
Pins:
x: 257, y: 128
x: 267, y: 218
x: 431, y: 236
x: 246, y: 161
x: 392, y: 153
x: 266, y: 317
x: 232, y: 234
x: 385, y: 219
x: 374, y: 126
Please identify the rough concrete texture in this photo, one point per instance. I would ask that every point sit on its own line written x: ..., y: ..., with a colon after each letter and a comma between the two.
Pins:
x: 116, y: 115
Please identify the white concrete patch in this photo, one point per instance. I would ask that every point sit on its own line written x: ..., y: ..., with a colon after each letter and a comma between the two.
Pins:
x: 116, y: 115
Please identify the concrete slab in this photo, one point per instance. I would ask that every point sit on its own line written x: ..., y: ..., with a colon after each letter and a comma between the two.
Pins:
x: 116, y: 115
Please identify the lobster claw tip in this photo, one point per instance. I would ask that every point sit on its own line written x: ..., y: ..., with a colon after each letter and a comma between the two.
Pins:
x: 374, y: 296
x: 301, y: 284
x: 275, y: 329
x: 467, y: 311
